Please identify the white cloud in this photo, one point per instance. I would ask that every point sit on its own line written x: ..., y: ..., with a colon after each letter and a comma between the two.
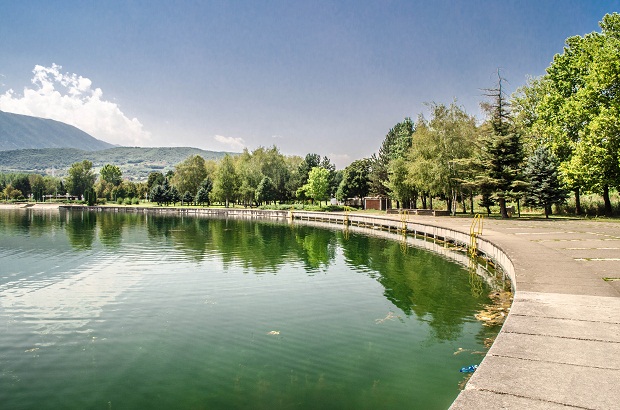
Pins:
x: 71, y: 99
x: 233, y: 143
x: 340, y: 160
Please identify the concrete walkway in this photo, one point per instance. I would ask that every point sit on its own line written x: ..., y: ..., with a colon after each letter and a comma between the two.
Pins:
x: 560, y: 346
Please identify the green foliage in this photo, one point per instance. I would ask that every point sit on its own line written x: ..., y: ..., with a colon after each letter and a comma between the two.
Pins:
x: 266, y: 191
x: 400, y: 184
x: 226, y: 184
x: 136, y: 163
x: 500, y: 155
x: 80, y: 178
x: 189, y: 174
x: 355, y: 180
x: 545, y: 188
x: 317, y: 187
x: 575, y: 110
x: 187, y: 198
x: 155, y: 178
x: 395, y: 145
x: 442, y: 146
x: 111, y: 174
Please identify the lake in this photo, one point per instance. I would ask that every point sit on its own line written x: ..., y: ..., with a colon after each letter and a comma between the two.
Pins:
x: 135, y: 311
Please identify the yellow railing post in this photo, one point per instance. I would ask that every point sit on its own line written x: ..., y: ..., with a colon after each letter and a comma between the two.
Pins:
x: 475, y: 230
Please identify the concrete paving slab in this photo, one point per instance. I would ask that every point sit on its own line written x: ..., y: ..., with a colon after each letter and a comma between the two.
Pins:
x: 563, y: 288
x: 567, y: 328
x: 554, y: 349
x: 576, y: 307
x: 486, y: 400
x: 556, y: 383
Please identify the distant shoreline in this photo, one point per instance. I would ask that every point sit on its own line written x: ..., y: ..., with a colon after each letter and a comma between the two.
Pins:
x: 41, y: 205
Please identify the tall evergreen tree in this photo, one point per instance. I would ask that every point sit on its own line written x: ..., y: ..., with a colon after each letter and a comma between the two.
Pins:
x: 545, y: 188
x: 395, y: 145
x: 501, y: 152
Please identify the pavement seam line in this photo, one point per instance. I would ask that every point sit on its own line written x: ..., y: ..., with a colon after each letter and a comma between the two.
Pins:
x: 565, y: 318
x: 563, y: 337
x: 535, y: 398
x: 552, y: 362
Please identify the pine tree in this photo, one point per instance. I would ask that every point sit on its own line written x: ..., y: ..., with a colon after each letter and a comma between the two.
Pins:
x: 501, y: 153
x: 542, y: 175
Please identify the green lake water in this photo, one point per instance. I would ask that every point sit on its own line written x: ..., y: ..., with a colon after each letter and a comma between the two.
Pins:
x: 133, y: 311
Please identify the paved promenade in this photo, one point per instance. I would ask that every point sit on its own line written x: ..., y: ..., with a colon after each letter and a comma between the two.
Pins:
x: 560, y: 346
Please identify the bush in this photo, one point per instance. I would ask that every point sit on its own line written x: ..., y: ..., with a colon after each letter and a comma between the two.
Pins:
x: 135, y: 201
x: 127, y: 201
x: 119, y: 201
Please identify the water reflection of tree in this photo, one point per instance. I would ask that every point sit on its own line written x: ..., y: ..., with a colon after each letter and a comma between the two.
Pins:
x: 419, y: 282
x: 111, y: 229
x: 315, y: 247
x: 80, y: 228
x: 34, y: 223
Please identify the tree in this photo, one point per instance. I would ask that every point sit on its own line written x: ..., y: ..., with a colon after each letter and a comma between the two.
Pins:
x: 501, y: 153
x: 11, y: 193
x: 174, y: 195
x: 111, y: 174
x: 545, y: 188
x: 189, y: 174
x: 226, y: 184
x: 399, y: 183
x: 395, y: 145
x: 202, y: 196
x: 37, y: 186
x: 80, y: 178
x: 187, y: 198
x: 159, y: 194
x: 309, y: 162
x: 578, y: 112
x: 266, y: 190
x: 441, y: 147
x: 355, y: 180
x: 318, y: 184
x: 155, y: 178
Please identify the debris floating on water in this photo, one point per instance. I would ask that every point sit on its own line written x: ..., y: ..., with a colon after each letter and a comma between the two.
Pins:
x: 469, y: 369
x: 274, y: 332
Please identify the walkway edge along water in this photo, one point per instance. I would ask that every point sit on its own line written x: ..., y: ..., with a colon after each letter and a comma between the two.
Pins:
x: 560, y: 345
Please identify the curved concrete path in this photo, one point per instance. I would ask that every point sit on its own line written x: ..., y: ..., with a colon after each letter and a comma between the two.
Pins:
x: 560, y: 346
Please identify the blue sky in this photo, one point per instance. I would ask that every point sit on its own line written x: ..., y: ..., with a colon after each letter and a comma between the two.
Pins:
x: 315, y: 76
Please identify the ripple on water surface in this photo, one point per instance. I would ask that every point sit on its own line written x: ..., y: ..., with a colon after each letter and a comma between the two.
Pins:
x: 195, y: 317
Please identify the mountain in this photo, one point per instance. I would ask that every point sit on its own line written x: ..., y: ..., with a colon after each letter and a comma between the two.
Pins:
x: 23, y: 131
x: 136, y: 163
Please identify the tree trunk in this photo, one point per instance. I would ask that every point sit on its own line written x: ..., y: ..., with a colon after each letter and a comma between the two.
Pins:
x: 547, y: 210
x: 423, y: 201
x: 607, y: 200
x: 502, y: 207
x: 430, y: 202
x: 471, y: 203
x: 578, y: 210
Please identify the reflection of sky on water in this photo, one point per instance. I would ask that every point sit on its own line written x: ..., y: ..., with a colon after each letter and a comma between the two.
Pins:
x: 59, y: 306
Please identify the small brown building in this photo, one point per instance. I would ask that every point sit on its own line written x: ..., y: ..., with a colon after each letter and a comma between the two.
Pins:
x: 378, y: 203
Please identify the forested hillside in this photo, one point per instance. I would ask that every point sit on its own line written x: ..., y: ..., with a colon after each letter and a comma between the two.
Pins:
x: 23, y: 131
x: 135, y: 162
